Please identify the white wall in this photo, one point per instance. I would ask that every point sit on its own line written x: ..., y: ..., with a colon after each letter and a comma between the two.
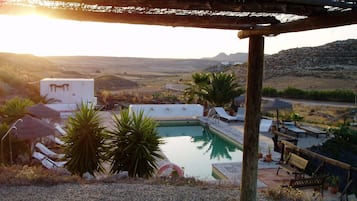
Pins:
x: 69, y: 91
x: 167, y: 111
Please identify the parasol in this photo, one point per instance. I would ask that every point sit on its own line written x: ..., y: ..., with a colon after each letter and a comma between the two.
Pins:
x: 277, y: 105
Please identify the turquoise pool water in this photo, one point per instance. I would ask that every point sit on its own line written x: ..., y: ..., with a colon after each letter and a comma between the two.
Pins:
x: 195, y: 148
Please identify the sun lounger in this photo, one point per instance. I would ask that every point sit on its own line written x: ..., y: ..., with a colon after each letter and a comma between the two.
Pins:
x: 240, y: 114
x: 291, y: 128
x: 60, y: 130
x: 55, y: 140
x: 223, y: 114
x: 265, y: 125
x: 47, y: 162
x: 41, y: 147
x: 313, y: 130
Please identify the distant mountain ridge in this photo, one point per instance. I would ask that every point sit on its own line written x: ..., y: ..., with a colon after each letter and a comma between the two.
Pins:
x: 239, y: 57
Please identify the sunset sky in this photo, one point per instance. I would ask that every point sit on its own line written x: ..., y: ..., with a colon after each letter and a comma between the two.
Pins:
x: 43, y: 36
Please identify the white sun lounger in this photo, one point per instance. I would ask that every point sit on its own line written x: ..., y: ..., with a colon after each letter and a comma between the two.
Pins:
x: 60, y: 130
x: 48, y: 152
x: 47, y: 162
x: 223, y: 114
x: 265, y: 125
x: 55, y: 140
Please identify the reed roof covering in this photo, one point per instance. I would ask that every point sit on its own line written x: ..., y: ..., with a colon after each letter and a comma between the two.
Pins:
x: 254, y: 17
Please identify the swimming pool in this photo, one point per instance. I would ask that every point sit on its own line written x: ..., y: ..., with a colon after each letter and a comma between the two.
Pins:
x: 195, y: 148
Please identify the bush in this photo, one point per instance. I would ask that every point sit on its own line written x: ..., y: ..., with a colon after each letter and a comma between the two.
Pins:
x: 85, y: 137
x: 270, y: 92
x: 135, y: 145
x: 290, y: 92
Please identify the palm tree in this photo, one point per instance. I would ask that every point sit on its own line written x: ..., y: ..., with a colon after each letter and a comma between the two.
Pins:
x: 45, y: 99
x: 84, y: 142
x: 194, y: 91
x: 221, y: 90
x: 134, y: 145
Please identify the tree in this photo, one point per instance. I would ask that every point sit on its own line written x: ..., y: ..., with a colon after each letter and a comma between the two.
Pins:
x: 134, y: 145
x: 222, y: 89
x: 218, y: 89
x: 14, y: 109
x: 84, y: 142
x: 194, y: 91
x: 45, y: 99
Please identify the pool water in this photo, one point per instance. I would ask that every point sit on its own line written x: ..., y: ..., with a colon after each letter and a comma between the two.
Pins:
x: 195, y: 148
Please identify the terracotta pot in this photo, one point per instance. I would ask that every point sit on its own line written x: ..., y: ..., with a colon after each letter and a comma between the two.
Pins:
x: 268, y: 158
x: 260, y: 155
x: 333, y: 189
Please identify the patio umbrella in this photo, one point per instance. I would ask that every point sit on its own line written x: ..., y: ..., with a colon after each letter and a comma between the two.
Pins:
x: 43, y: 112
x: 31, y: 128
x: 277, y: 105
x: 239, y: 100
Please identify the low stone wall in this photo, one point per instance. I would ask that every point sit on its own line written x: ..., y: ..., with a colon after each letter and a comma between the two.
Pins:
x: 168, y: 111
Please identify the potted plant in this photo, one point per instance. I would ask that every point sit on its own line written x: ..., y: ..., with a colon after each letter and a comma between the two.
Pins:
x: 334, y: 180
x: 268, y: 157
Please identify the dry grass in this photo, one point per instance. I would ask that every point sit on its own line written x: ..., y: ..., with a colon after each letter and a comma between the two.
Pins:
x: 36, y: 175
x: 33, y: 175
x: 290, y: 194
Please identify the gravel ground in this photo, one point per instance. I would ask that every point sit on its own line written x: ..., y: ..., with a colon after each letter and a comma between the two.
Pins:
x: 118, y: 192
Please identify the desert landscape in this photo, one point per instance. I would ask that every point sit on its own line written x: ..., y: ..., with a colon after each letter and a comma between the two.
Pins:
x: 328, y: 67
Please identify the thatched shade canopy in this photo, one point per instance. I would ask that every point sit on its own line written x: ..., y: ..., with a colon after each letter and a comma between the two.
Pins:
x: 41, y: 111
x: 269, y: 17
x: 31, y: 128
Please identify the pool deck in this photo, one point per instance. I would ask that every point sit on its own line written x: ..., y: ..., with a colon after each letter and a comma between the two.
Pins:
x: 267, y: 178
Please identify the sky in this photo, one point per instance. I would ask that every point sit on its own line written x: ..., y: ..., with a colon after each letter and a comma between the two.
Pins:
x: 43, y: 36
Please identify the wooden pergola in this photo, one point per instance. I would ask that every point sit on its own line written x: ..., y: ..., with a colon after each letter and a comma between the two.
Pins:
x: 254, y: 18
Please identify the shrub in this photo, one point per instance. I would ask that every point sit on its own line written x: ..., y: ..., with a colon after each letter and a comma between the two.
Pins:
x: 270, y: 92
x: 134, y: 145
x: 84, y: 146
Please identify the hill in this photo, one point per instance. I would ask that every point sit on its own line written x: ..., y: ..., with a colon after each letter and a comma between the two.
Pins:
x: 330, y: 66
x: 236, y: 57
x: 130, y: 65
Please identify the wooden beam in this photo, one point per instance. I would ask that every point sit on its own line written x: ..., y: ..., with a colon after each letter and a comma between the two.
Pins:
x: 252, y: 119
x: 318, y: 22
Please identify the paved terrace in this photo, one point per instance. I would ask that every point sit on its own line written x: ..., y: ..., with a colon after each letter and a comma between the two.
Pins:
x: 267, y: 177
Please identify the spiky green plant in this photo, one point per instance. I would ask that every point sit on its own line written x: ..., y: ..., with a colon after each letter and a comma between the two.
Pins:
x: 135, y: 145
x: 14, y: 109
x: 84, y: 142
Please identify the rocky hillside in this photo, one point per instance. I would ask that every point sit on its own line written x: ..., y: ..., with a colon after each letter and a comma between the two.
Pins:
x: 333, y: 60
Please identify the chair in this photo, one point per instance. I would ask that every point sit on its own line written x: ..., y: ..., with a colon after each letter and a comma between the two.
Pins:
x: 290, y: 127
x: 47, y: 151
x: 313, y: 131
x: 47, y: 162
x: 265, y: 125
x: 240, y: 114
x: 223, y: 114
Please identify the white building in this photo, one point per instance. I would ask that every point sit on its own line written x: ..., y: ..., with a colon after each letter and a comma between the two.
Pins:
x: 70, y: 92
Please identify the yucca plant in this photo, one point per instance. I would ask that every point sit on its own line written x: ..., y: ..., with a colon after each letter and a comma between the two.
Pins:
x: 134, y: 145
x: 14, y: 109
x: 84, y: 142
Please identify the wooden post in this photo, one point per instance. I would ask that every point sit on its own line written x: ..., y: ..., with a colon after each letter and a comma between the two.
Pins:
x: 252, y: 119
